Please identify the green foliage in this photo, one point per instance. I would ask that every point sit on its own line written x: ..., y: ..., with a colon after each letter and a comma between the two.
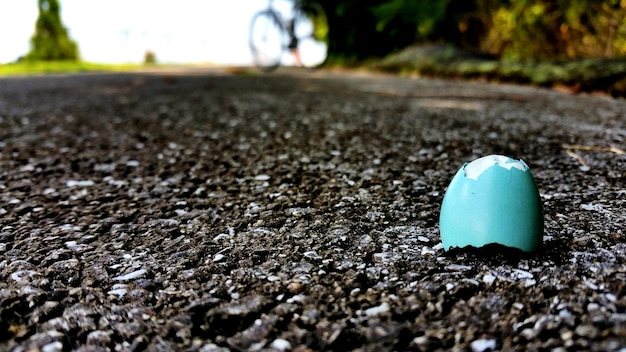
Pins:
x: 417, y: 19
x: 51, y: 41
x: 542, y: 29
x: 511, y: 29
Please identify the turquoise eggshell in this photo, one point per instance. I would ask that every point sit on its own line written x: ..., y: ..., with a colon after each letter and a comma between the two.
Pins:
x: 501, y: 205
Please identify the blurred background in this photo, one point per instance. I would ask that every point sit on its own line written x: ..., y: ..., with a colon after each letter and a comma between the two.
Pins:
x: 121, y: 31
x: 215, y: 31
x: 508, y: 29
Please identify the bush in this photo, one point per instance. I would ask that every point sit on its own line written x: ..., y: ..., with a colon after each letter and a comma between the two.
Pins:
x: 545, y: 29
x: 149, y: 58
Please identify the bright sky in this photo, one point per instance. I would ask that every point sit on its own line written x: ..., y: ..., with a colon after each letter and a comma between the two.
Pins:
x: 120, y: 31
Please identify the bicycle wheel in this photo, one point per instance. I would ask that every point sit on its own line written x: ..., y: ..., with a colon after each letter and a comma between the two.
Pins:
x: 311, y: 29
x: 267, y: 38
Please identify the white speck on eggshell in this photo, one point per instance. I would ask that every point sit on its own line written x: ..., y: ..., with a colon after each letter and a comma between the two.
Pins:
x: 474, y: 169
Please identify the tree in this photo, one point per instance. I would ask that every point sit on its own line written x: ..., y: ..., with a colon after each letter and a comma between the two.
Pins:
x: 509, y: 29
x: 51, y: 41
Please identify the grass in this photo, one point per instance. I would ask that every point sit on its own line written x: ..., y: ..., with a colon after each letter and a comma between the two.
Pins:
x: 41, y: 67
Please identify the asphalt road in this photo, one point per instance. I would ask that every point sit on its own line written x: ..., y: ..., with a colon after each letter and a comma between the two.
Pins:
x: 227, y: 210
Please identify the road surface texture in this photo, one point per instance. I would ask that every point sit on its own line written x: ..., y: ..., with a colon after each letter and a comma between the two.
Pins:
x: 208, y: 211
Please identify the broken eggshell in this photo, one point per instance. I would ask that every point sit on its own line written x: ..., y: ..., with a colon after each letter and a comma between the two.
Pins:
x: 493, y: 199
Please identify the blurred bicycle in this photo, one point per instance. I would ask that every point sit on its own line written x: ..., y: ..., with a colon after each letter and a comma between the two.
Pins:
x: 304, y: 34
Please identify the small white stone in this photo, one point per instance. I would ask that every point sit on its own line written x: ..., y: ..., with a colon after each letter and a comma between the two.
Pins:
x: 98, y: 336
x: 530, y: 282
x: 592, y: 307
x: 427, y: 251
x: 529, y: 333
x: 221, y: 236
x: 482, y: 345
x: 55, y: 346
x: 23, y: 275
x: 522, y: 274
x: 312, y: 255
x: 457, y: 267
x: 567, y: 335
x: 281, y: 345
x: 84, y: 183
x: 261, y: 177
x: 373, y: 311
x: 218, y: 257
x: 590, y: 206
x: 591, y: 285
x: 420, y: 340
x: 130, y: 276
x: 27, y: 168
x: 610, y: 297
x: 120, y: 292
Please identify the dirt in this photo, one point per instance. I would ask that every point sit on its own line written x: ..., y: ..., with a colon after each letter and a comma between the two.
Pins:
x: 209, y: 211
